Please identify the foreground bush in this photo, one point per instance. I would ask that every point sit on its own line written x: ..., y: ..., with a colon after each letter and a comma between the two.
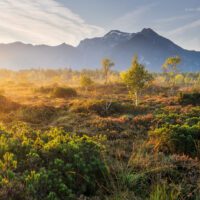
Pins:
x: 50, y: 165
x: 60, y: 92
x: 177, y: 139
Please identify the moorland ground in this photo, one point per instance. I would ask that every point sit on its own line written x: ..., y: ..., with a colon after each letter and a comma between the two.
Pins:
x: 62, y: 140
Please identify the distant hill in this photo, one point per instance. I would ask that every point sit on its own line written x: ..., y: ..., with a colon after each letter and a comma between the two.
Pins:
x: 151, y: 48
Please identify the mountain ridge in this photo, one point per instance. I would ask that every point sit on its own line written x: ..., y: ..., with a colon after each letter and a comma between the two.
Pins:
x: 119, y: 46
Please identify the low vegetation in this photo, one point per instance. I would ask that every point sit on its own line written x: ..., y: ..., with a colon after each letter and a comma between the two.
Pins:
x: 59, y: 92
x: 49, y: 165
x: 68, y: 134
x: 189, y: 98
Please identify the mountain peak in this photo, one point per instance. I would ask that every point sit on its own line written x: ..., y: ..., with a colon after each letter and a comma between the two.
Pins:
x: 148, y: 31
x: 16, y: 43
x: 64, y: 45
x: 114, y: 33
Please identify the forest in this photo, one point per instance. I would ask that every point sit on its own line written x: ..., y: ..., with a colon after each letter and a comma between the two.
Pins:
x: 100, y: 134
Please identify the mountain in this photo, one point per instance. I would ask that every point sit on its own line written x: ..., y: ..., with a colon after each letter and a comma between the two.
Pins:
x: 21, y: 56
x: 151, y: 48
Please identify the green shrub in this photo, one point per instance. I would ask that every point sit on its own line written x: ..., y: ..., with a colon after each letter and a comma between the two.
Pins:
x: 60, y: 92
x: 169, y: 118
x: 193, y: 112
x: 189, y: 98
x: 52, y: 165
x: 187, y: 115
x: 105, y: 107
x: 192, y: 121
x: 35, y: 115
x: 176, y: 139
x: 100, y: 107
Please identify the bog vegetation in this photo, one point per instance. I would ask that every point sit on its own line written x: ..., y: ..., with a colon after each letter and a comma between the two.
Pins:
x: 100, y: 134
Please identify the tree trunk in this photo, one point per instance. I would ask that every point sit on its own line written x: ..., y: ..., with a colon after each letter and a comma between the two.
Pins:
x: 106, y: 79
x: 136, y: 98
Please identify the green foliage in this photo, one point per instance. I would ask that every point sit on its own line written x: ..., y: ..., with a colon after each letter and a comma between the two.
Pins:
x: 52, y: 165
x: 60, y: 92
x: 163, y: 192
x: 178, y: 116
x: 192, y: 121
x: 189, y: 99
x: 178, y: 139
x: 169, y: 119
x: 136, y: 78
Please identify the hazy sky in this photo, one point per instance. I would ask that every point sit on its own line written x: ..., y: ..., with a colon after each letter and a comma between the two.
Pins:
x: 56, y: 21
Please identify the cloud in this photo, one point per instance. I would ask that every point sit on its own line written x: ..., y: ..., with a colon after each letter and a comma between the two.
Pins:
x: 186, y: 35
x: 173, y: 19
x: 42, y: 22
x: 187, y: 27
x: 130, y: 20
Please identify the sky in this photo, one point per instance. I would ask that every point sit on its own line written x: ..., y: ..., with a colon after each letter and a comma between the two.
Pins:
x: 53, y: 22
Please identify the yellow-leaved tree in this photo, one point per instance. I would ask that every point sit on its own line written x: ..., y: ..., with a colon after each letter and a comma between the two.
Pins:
x: 170, y: 69
x: 107, y: 64
x: 86, y: 81
x: 136, y: 79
